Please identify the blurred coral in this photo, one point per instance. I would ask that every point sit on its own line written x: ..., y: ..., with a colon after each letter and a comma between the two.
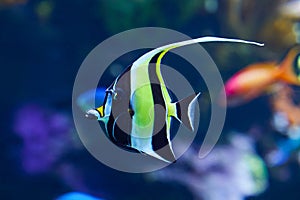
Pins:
x: 290, y: 9
x: 283, y: 105
x: 248, y: 19
x: 286, y: 120
x: 46, y: 135
x: 231, y: 171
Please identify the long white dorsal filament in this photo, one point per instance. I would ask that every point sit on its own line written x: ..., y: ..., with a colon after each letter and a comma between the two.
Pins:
x: 150, y: 54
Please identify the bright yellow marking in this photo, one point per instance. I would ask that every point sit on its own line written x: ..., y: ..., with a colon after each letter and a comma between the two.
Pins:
x: 158, y: 73
x: 100, y: 110
x: 163, y: 86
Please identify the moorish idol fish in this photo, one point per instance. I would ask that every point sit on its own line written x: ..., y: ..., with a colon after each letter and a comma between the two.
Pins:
x: 258, y: 78
x: 137, y: 108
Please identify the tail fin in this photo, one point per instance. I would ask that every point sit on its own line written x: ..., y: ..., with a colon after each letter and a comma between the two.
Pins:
x: 185, y: 109
x: 290, y: 67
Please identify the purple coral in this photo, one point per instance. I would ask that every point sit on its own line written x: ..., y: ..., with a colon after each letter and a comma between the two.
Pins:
x: 45, y: 135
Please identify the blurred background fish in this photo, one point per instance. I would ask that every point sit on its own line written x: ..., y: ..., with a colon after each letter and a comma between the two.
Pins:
x: 259, y: 78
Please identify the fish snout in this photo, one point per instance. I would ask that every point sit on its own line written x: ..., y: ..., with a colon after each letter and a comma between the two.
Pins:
x: 92, y: 114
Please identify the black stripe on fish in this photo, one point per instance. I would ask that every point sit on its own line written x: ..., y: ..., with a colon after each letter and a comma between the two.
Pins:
x: 104, y: 101
x: 160, y: 143
x: 121, y: 113
x: 110, y: 127
x: 155, y: 84
x: 178, y: 110
x: 121, y: 90
x: 154, y: 58
x: 119, y: 124
x: 118, y: 136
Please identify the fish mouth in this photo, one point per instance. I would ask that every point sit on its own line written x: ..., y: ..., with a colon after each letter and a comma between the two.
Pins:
x: 92, y: 114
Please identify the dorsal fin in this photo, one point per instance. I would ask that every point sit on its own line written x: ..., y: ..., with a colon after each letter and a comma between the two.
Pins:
x: 147, y: 57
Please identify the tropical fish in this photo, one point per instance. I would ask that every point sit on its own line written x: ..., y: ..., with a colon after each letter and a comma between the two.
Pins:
x: 137, y: 108
x: 259, y: 78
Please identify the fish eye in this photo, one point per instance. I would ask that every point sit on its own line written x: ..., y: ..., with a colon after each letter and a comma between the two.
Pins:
x: 131, y: 112
x: 296, y: 66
